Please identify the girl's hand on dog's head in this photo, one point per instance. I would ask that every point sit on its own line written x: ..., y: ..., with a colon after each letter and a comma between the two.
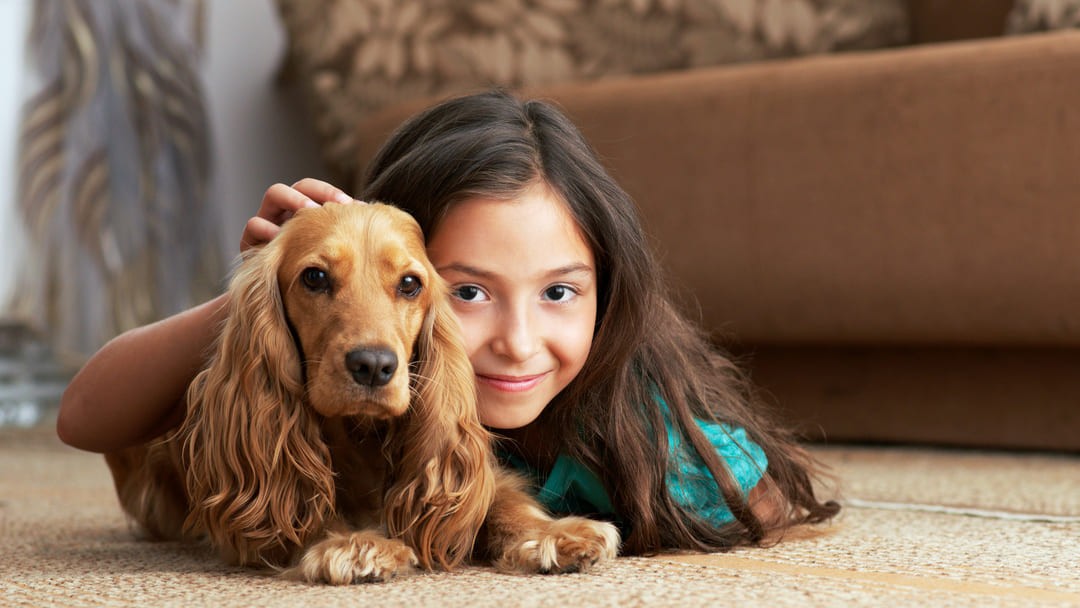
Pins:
x: 281, y: 202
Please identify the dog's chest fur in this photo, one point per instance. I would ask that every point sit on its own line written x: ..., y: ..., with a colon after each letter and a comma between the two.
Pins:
x: 360, y: 466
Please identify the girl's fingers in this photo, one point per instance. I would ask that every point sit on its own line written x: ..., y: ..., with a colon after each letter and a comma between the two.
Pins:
x: 320, y: 191
x: 280, y: 202
x: 258, y: 231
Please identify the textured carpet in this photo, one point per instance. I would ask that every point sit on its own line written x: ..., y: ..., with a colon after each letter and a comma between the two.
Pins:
x: 920, y: 527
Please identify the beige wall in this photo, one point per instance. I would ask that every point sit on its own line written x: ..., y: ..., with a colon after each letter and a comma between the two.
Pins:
x: 14, y: 15
x: 260, y: 134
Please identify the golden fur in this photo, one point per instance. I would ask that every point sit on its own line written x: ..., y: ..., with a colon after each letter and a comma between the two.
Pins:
x: 305, y: 447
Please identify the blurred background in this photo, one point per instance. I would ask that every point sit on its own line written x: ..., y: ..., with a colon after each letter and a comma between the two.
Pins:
x: 870, y: 202
x: 254, y: 140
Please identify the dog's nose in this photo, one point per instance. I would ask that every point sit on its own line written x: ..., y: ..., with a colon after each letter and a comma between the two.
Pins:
x: 371, y: 366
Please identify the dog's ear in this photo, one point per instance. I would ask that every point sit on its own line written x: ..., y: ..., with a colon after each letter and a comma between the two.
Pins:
x: 259, y: 473
x: 443, y: 481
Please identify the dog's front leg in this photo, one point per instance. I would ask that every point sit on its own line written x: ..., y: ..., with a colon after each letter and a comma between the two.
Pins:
x: 521, y: 537
x: 345, y: 557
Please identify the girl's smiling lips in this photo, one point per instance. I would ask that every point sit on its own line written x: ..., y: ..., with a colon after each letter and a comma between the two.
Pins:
x: 511, y: 384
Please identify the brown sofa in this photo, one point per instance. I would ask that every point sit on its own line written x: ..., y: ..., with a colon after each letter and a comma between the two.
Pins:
x: 889, y: 238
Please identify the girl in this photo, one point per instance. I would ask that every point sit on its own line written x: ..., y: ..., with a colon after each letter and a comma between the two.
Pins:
x: 598, y: 390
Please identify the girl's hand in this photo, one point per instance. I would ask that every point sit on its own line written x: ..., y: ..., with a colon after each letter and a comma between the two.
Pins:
x: 281, y: 202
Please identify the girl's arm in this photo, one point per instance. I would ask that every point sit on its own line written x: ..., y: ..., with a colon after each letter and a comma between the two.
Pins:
x: 133, y: 388
x: 767, y: 503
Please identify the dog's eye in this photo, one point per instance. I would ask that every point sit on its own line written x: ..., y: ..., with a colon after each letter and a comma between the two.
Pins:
x: 315, y: 279
x: 410, y: 286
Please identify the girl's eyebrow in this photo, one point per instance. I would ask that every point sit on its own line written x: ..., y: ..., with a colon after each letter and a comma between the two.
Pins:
x: 465, y: 269
x: 578, y: 267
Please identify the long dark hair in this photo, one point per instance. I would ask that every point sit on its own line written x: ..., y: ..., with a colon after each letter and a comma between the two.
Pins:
x: 496, y: 146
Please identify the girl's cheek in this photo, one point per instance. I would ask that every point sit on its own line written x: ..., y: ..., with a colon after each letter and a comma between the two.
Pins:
x: 577, y: 338
x: 473, y: 331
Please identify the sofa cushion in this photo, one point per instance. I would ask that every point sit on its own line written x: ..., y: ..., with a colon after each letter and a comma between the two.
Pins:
x: 355, y: 57
x: 1042, y: 15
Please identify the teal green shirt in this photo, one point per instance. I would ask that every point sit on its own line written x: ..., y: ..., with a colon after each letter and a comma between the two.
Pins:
x: 571, y: 487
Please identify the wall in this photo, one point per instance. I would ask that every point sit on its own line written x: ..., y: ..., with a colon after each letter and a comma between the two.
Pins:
x: 14, y: 15
x: 260, y: 133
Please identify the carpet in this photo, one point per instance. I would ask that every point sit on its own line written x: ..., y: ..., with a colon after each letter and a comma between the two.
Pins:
x: 919, y: 527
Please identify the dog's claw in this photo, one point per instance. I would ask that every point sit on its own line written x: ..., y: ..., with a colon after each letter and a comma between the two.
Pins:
x: 571, y: 544
x: 358, y: 557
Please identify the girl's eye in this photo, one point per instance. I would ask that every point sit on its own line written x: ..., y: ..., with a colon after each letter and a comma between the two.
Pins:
x: 315, y: 279
x: 559, y: 293
x: 469, y: 293
x: 410, y: 286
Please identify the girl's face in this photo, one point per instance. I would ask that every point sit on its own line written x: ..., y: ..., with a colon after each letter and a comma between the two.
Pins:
x: 523, y: 284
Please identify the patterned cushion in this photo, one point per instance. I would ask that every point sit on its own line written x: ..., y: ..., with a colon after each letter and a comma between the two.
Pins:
x: 355, y: 57
x: 1042, y: 15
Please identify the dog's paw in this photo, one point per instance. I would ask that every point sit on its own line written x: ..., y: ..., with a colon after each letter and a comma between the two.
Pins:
x: 356, y: 557
x: 570, y: 544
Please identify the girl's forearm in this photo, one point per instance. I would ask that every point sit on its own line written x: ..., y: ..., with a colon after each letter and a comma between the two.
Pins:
x: 133, y: 388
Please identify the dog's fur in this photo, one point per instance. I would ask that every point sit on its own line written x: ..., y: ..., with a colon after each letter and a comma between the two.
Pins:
x: 295, y: 454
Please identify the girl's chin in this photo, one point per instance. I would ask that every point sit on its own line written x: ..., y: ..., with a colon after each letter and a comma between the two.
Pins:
x: 507, y: 421
x: 511, y: 405
x: 500, y: 424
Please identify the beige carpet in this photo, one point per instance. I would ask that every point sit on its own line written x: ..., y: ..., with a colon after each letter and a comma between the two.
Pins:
x: 920, y: 527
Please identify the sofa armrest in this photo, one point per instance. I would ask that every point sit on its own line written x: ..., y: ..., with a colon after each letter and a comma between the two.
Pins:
x: 923, y: 195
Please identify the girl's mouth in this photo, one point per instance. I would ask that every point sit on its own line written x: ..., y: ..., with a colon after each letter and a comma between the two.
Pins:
x: 511, y: 384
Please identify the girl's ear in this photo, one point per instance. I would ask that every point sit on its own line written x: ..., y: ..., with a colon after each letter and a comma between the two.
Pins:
x: 443, y: 481
x: 258, y: 475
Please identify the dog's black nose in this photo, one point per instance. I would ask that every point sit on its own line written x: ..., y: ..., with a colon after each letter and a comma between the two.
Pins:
x: 371, y: 366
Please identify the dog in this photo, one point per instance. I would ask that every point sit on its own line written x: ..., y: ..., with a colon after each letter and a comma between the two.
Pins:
x: 334, y: 435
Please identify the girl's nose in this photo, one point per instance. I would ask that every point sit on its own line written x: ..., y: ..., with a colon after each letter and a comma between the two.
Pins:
x: 518, y: 337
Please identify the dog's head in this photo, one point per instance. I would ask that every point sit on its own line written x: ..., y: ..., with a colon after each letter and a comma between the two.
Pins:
x: 356, y: 287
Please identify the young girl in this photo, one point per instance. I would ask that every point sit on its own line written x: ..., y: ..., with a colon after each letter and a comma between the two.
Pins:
x: 597, y: 389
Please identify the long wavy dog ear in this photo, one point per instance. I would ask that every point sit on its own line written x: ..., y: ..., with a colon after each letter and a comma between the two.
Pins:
x: 442, y: 481
x: 259, y: 474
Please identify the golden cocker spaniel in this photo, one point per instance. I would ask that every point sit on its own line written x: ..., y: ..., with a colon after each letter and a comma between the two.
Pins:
x: 334, y: 433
